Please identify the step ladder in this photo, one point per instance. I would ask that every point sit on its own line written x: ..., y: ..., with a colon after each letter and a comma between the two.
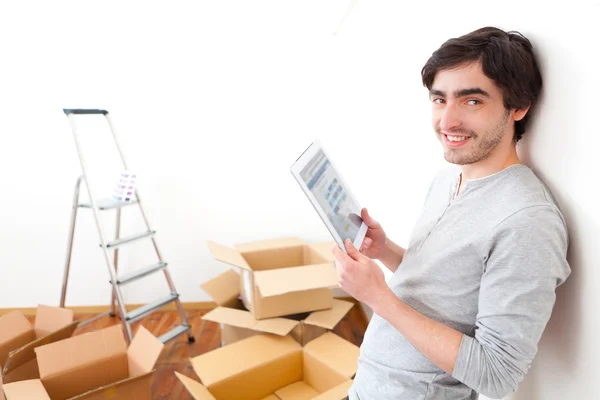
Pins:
x: 116, y: 281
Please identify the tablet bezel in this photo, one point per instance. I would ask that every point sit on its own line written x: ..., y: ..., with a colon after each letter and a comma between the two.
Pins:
x: 299, y: 165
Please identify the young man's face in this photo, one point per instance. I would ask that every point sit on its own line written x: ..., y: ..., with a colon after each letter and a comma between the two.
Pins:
x: 468, y: 115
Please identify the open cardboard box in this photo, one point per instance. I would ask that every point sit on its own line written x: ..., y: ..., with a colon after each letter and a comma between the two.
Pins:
x: 18, y: 340
x: 237, y: 323
x: 93, y: 366
x: 276, y: 368
x: 282, y: 276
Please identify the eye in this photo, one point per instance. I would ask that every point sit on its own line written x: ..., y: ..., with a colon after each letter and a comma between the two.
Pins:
x: 438, y: 100
x: 473, y: 102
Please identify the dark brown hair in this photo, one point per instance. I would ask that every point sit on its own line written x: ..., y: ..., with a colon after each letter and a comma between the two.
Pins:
x: 506, y: 58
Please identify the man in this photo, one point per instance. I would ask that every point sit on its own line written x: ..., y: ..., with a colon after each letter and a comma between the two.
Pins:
x: 473, y: 291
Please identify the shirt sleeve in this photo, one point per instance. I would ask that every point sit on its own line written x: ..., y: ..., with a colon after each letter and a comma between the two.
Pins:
x: 525, y: 261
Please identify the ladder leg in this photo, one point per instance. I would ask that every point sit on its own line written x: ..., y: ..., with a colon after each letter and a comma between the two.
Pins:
x: 95, y: 209
x: 63, y: 295
x: 184, y: 319
x: 182, y: 315
x: 116, y: 264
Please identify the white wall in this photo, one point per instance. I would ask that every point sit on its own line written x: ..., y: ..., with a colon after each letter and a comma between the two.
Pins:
x: 198, y: 92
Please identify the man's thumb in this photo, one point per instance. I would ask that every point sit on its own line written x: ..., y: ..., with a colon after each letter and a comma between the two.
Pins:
x: 371, y: 223
x: 353, y: 251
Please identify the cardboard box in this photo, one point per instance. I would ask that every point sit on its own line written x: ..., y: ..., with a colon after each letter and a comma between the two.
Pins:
x: 276, y: 368
x: 237, y: 323
x: 19, y: 339
x: 281, y: 277
x: 93, y: 366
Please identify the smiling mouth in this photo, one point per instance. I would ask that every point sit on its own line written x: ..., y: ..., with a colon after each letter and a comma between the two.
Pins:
x: 453, y: 138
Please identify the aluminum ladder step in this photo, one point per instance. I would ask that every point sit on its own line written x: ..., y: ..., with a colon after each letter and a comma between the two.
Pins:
x: 117, y: 202
x: 120, y: 242
x: 108, y: 204
x: 173, y: 333
x: 149, y: 308
x: 135, y: 275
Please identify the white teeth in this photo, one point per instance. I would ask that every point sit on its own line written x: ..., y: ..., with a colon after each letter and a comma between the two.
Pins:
x: 456, y: 138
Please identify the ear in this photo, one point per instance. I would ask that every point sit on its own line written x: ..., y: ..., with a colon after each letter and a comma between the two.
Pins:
x: 520, y: 113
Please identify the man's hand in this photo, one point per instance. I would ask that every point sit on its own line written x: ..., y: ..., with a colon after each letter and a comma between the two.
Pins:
x: 373, y: 245
x: 359, y: 276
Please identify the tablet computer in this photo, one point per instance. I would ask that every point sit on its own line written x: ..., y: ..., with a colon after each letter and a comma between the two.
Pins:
x: 329, y: 195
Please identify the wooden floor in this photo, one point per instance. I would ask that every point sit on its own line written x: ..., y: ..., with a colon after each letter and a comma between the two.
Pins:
x: 176, y: 355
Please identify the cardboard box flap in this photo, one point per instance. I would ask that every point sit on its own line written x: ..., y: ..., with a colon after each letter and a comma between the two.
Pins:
x: 50, y: 319
x: 324, y: 249
x: 21, y: 356
x: 12, y: 325
x: 285, y: 280
x: 197, y: 391
x: 223, y: 289
x: 271, y: 397
x: 297, y: 390
x: 26, y: 390
x: 328, y: 319
x: 143, y: 352
x: 80, y: 350
x: 269, y: 244
x: 225, y: 362
x: 244, y: 319
x: 337, y: 353
x: 339, y: 392
x: 228, y: 255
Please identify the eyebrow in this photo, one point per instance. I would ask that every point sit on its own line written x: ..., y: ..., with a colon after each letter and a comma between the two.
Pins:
x: 461, y: 92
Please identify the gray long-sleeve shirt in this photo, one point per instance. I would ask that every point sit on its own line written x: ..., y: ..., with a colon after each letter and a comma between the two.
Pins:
x: 485, y: 263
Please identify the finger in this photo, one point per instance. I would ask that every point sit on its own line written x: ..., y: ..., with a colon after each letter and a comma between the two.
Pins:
x: 339, y: 269
x: 371, y: 223
x: 353, y: 253
x: 342, y: 257
x: 367, y: 242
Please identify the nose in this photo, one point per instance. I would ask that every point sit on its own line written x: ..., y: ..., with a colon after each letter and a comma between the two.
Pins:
x: 450, y: 118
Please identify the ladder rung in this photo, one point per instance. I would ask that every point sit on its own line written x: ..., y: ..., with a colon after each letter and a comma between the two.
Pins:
x: 120, y: 242
x: 133, y: 276
x: 173, y: 333
x: 148, y: 308
x: 108, y: 204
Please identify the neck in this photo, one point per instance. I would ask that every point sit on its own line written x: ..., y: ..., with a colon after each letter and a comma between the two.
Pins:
x: 491, y: 165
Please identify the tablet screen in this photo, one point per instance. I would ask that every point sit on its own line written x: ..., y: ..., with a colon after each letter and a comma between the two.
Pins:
x: 324, y: 183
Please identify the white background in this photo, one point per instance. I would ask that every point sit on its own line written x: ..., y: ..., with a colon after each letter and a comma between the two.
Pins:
x: 213, y: 100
